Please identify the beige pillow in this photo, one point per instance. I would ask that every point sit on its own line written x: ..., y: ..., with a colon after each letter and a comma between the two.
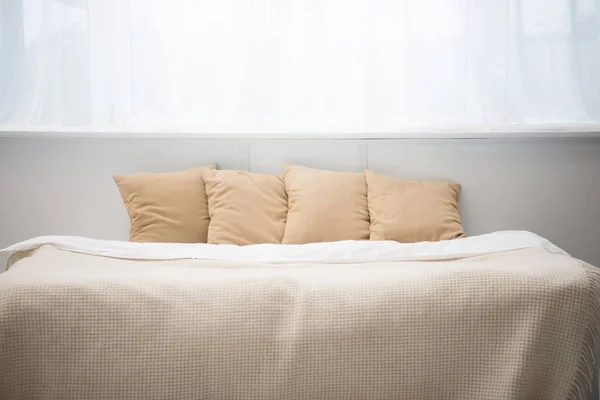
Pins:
x: 245, y: 208
x: 325, y: 206
x: 407, y: 211
x: 166, y: 207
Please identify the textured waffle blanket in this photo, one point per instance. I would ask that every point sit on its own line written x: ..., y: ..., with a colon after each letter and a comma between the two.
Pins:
x: 510, y: 325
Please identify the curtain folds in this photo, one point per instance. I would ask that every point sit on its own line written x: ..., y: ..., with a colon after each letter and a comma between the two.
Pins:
x: 298, y: 66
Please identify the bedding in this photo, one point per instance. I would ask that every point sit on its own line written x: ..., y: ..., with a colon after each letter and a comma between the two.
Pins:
x: 166, y: 207
x: 325, y: 206
x: 410, y: 211
x: 500, y: 316
x: 245, y: 208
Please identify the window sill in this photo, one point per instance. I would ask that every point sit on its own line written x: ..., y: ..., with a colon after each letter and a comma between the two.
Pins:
x: 546, y: 131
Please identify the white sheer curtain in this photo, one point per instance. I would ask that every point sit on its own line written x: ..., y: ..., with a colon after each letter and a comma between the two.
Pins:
x: 281, y: 66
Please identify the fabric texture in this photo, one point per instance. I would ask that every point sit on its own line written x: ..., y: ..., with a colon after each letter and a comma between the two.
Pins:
x: 245, y: 208
x: 409, y: 211
x: 166, y: 207
x: 510, y: 326
x: 325, y: 206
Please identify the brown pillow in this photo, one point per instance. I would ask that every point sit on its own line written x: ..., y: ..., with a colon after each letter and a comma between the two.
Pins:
x: 325, y: 206
x: 245, y: 208
x: 166, y: 207
x: 407, y: 211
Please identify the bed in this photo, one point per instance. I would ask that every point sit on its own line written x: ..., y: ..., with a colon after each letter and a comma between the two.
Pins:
x: 504, y: 316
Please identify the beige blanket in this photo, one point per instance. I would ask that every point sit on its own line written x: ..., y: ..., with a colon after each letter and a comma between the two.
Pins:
x: 518, y: 325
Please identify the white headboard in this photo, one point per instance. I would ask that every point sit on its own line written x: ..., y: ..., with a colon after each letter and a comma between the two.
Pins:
x: 548, y: 186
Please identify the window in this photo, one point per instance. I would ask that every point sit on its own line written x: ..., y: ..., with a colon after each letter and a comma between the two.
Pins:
x: 298, y: 66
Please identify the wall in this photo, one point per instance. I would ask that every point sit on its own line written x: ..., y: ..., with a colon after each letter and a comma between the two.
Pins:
x: 548, y: 186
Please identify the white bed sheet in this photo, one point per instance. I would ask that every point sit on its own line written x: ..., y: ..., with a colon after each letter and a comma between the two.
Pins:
x: 331, y: 252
